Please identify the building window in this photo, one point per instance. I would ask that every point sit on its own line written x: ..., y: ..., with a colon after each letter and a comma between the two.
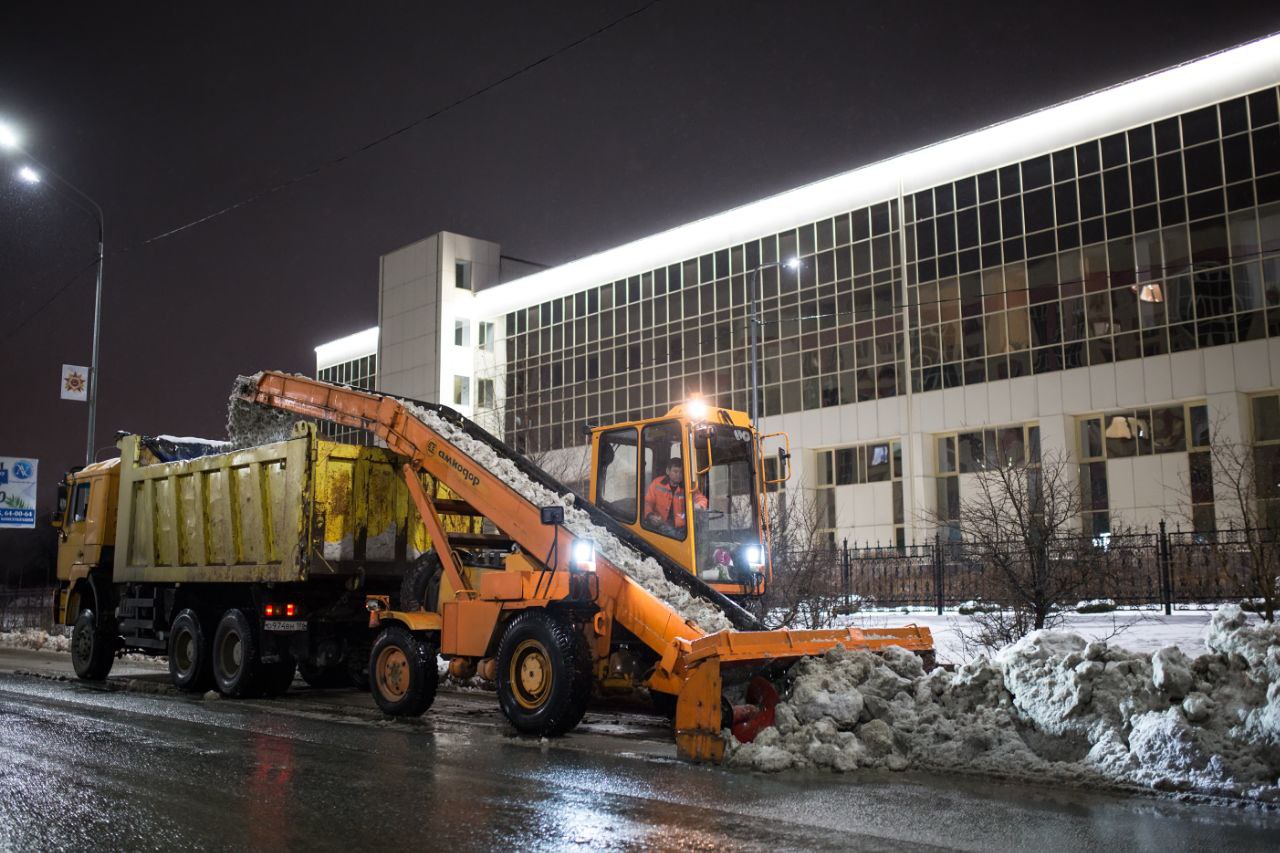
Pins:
x: 462, y: 275
x: 878, y: 462
x: 462, y: 390
x: 358, y: 373
x: 1266, y: 458
x: 972, y: 452
x: 486, y: 336
x: 484, y: 393
x: 1144, y: 432
x: 462, y: 333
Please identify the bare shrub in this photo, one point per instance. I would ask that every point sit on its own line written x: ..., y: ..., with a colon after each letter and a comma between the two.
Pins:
x: 805, y: 590
x: 1020, y: 525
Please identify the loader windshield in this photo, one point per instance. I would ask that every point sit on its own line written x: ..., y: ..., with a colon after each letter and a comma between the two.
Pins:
x: 725, y: 507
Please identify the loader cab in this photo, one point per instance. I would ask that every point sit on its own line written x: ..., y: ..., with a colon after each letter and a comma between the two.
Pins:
x: 692, y: 484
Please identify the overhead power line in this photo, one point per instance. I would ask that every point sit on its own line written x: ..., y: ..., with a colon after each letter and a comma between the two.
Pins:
x: 342, y: 158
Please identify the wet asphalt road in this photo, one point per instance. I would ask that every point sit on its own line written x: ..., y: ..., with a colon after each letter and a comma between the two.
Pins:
x: 84, y: 768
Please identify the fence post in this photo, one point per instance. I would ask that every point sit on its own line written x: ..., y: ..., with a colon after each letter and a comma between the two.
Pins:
x: 845, y: 572
x: 938, y: 573
x: 1163, y: 559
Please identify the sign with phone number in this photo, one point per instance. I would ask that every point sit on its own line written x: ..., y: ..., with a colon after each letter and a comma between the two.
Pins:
x: 17, y: 492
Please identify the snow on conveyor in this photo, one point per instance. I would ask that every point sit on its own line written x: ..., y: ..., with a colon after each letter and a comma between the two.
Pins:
x: 1053, y: 708
x: 643, y: 570
x: 250, y: 424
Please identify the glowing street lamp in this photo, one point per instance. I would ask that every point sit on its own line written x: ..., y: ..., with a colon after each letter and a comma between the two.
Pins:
x: 27, y: 173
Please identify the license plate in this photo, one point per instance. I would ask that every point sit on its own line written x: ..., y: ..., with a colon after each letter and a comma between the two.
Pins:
x: 281, y: 625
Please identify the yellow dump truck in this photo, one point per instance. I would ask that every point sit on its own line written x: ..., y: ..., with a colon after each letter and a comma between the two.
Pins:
x: 240, y: 565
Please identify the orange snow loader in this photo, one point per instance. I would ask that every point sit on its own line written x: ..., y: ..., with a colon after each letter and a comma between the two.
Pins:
x: 565, y: 596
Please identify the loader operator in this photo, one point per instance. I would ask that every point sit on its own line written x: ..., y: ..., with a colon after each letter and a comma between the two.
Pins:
x: 664, y: 505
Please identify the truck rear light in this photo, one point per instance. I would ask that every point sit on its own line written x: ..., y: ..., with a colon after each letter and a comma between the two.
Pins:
x: 290, y: 610
x: 270, y: 610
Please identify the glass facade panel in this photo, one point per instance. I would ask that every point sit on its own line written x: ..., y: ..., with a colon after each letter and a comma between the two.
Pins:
x: 1155, y: 239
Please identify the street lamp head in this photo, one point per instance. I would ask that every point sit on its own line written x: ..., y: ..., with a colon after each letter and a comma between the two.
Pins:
x: 8, y: 136
x: 29, y: 175
x: 792, y: 263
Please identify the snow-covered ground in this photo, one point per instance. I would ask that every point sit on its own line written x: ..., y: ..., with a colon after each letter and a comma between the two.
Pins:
x: 1053, y: 707
x: 35, y: 639
x: 1136, y: 630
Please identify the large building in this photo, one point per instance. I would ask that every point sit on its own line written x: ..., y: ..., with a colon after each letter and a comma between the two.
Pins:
x: 1099, y: 279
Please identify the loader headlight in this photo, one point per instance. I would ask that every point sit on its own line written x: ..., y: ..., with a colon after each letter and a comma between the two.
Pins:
x: 755, y: 556
x: 582, y: 555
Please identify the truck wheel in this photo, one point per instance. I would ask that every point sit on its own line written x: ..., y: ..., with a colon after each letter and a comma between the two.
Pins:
x: 235, y: 654
x: 93, y: 646
x: 189, y: 653
x: 275, y: 678
x: 402, y: 672
x: 544, y: 674
x: 421, y: 584
x: 324, y: 677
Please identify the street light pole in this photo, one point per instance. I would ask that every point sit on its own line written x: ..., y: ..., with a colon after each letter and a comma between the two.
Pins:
x: 753, y: 332
x: 89, y: 451
x: 8, y: 139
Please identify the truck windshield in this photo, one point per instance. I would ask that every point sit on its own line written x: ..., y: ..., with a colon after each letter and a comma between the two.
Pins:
x: 726, y: 523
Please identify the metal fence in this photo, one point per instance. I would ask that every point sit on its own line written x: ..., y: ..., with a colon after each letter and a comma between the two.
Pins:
x: 31, y: 607
x: 1162, y: 567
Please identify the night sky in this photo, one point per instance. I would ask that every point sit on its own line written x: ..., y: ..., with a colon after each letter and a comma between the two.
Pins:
x: 165, y: 113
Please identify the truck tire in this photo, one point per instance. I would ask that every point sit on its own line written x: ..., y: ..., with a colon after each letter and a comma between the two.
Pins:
x: 235, y: 655
x: 544, y: 674
x: 326, y: 677
x: 421, y: 584
x: 93, y: 646
x: 275, y: 678
x: 189, y: 665
x: 402, y: 672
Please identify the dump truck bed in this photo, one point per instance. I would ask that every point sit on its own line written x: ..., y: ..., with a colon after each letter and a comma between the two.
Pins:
x: 281, y: 512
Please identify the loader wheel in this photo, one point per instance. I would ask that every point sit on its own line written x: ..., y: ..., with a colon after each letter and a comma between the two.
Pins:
x: 235, y: 654
x: 326, y: 677
x: 189, y: 665
x: 402, y: 672
x: 544, y: 674
x: 93, y: 646
x: 275, y: 678
x: 421, y: 584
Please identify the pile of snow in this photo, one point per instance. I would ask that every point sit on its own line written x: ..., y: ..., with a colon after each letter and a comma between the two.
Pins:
x: 35, y: 639
x: 1052, y: 707
x: 643, y: 570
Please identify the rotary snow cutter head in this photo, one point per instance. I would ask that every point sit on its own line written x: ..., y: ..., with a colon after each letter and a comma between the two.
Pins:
x: 763, y: 657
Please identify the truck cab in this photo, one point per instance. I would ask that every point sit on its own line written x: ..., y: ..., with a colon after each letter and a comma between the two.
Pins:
x: 691, y: 483
x: 86, y: 524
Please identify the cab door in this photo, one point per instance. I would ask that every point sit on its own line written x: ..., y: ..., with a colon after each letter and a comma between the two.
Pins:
x: 75, y: 524
x: 628, y: 461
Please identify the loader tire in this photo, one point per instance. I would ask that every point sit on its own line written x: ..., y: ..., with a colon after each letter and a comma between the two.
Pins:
x: 322, y: 678
x: 544, y: 674
x: 235, y: 655
x: 274, y: 679
x: 189, y: 665
x: 93, y: 646
x: 421, y: 584
x: 402, y: 672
